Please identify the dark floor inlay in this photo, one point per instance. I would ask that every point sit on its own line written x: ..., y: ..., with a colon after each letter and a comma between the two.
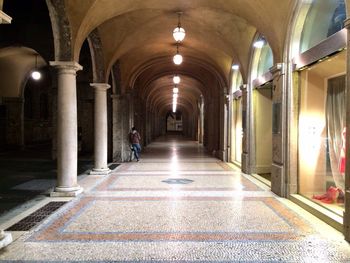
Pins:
x: 113, y: 166
x: 36, y: 217
x: 178, y: 181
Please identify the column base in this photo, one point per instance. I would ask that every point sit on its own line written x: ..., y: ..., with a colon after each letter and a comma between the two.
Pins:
x: 103, y: 171
x: 66, y: 191
x: 5, y: 239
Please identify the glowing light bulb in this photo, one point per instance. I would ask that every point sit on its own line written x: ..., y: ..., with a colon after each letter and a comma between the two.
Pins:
x: 176, y: 79
x: 179, y: 34
x: 36, y: 75
x: 177, y: 59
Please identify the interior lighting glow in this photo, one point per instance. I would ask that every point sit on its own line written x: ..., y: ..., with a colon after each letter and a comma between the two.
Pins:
x: 175, y: 95
x: 175, y: 90
x: 179, y: 33
x: 259, y: 44
x: 235, y: 67
x: 36, y: 75
x: 176, y: 79
x: 177, y: 59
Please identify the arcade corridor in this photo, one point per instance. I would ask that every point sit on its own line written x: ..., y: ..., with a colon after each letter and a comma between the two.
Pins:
x: 177, y: 204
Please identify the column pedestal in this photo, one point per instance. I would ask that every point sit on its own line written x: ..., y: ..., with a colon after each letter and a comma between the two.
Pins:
x: 67, y: 134
x: 5, y: 239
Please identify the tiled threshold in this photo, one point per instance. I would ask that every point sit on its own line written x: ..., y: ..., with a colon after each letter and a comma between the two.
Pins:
x: 333, y: 219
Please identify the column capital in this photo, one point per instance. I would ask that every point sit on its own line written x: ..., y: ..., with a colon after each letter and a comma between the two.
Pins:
x: 100, y: 86
x: 69, y: 65
x: 277, y: 69
x: 347, y: 23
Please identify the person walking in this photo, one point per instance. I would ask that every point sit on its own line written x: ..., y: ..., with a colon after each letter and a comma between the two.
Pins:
x: 135, y: 138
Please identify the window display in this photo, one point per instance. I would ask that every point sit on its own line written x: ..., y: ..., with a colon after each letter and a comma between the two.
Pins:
x: 322, y: 132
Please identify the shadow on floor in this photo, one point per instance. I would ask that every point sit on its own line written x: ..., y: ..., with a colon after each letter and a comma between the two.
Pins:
x: 25, y: 174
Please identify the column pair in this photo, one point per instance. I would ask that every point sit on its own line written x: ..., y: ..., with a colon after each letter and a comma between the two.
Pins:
x: 67, y: 137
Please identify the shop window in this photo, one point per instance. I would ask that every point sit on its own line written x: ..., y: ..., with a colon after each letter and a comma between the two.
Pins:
x: 322, y: 19
x: 262, y: 58
x: 265, y: 60
x: 322, y: 132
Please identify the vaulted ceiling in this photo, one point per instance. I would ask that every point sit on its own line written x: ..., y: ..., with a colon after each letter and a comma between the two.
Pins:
x: 138, y: 34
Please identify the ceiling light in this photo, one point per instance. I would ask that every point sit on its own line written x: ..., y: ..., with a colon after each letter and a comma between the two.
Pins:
x: 177, y: 58
x: 36, y: 75
x: 176, y: 79
x: 175, y: 90
x: 235, y: 67
x: 259, y: 43
x: 179, y: 33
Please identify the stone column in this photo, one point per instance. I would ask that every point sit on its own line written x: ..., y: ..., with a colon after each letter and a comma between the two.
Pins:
x: 346, y: 220
x: 223, y: 126
x: 5, y: 238
x: 67, y: 137
x: 120, y: 128
x: 101, y: 129
x: 246, y: 121
x: 279, y: 141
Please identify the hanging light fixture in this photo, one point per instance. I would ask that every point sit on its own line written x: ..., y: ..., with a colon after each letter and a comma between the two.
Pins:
x: 36, y: 75
x: 179, y: 33
x: 176, y: 79
x: 177, y: 58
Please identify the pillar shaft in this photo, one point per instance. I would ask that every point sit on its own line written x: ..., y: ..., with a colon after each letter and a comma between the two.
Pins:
x: 67, y: 140
x: 101, y: 128
x: 279, y: 183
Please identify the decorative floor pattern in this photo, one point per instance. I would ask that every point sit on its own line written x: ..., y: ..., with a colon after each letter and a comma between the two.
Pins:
x: 178, y: 205
x: 128, y: 219
x: 194, y: 182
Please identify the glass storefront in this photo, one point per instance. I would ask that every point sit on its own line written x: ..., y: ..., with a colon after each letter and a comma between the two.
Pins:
x: 323, y: 19
x: 322, y: 132
x: 321, y: 88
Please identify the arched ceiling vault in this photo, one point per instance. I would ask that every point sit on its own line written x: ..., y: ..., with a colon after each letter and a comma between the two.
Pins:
x: 220, y: 29
x: 202, y: 72
x: 138, y: 34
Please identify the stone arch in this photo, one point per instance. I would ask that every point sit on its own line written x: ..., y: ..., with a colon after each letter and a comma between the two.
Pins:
x: 61, y: 29
x: 98, y: 66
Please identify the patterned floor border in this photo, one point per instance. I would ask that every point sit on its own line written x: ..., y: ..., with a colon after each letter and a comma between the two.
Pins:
x: 53, y: 229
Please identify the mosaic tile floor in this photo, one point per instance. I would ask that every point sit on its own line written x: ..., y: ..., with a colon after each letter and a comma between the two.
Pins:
x: 178, y: 205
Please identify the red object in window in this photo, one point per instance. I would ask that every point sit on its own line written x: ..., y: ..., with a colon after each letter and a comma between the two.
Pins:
x: 342, y: 153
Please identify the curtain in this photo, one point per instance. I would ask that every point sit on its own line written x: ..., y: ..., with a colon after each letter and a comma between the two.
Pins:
x: 335, y: 119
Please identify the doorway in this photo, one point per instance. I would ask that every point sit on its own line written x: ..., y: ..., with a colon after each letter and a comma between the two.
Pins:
x: 262, y: 97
